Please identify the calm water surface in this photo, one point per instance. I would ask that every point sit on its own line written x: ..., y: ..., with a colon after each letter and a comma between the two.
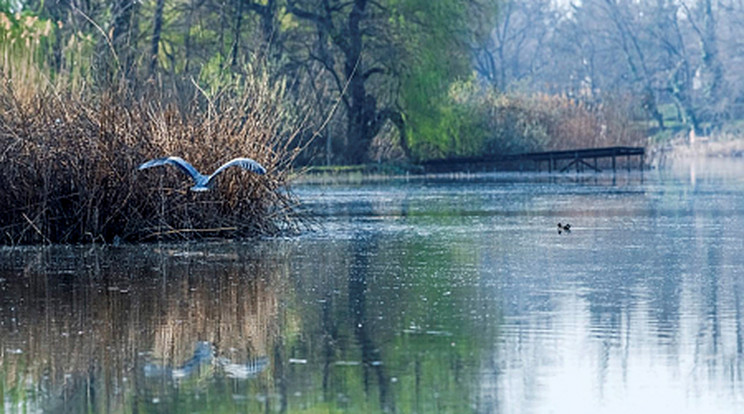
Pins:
x: 436, y: 295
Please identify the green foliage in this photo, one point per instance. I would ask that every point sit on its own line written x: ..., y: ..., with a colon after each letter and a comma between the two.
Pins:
x: 471, y: 122
x: 439, y: 125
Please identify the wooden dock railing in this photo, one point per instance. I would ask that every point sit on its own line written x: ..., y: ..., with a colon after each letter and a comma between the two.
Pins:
x: 577, y: 158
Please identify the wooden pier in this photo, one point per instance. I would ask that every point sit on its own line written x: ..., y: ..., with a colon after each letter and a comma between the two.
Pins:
x: 578, y: 159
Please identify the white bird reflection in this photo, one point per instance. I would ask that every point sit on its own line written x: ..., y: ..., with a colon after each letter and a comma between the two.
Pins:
x: 204, y: 355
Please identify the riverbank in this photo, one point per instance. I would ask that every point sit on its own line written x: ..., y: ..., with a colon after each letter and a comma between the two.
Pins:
x: 690, y: 146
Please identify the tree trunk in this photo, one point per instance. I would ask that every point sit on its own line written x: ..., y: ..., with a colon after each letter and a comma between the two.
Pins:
x: 236, y: 36
x: 187, y: 38
x: 156, y: 32
x: 221, y: 34
x: 123, y: 38
x: 361, y: 105
x: 364, y: 120
x: 712, y: 66
x: 636, y: 58
x: 267, y: 16
x: 679, y: 89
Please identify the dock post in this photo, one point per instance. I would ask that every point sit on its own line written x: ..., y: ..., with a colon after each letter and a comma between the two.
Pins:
x: 613, y: 164
x: 642, y: 156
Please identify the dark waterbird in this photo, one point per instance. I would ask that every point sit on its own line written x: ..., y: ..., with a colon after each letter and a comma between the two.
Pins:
x: 204, y: 182
x: 564, y: 227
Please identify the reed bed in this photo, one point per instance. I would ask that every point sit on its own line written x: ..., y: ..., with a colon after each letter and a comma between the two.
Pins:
x: 68, y: 165
x: 555, y: 122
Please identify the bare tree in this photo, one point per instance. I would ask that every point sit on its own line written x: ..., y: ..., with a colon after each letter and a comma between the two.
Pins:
x: 514, y: 51
x: 664, y: 52
x: 343, y: 49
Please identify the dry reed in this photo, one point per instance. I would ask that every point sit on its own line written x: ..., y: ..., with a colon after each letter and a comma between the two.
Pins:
x: 554, y: 122
x: 68, y: 165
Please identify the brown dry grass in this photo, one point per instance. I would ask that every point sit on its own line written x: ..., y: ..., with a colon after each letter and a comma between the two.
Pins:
x: 554, y: 122
x: 575, y: 124
x: 68, y: 165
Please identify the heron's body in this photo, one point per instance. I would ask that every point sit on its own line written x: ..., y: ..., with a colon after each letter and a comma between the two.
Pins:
x: 204, y: 182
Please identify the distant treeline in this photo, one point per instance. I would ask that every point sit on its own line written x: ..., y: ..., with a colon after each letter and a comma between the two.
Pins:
x: 680, y: 61
x: 365, y: 80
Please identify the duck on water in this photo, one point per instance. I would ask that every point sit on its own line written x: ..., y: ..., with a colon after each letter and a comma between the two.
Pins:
x: 564, y: 227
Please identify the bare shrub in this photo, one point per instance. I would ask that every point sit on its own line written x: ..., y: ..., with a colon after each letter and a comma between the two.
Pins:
x: 554, y: 122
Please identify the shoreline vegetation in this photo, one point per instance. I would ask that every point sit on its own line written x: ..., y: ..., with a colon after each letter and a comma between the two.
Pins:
x: 69, y: 159
x: 68, y: 165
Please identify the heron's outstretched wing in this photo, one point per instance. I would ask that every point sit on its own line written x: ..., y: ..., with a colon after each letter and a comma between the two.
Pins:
x: 177, y: 161
x: 245, y: 163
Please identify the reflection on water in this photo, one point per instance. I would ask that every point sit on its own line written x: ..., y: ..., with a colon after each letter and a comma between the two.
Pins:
x: 122, y: 329
x: 422, y: 295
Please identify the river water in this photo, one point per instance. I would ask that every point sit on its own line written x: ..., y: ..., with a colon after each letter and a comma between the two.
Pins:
x: 411, y: 295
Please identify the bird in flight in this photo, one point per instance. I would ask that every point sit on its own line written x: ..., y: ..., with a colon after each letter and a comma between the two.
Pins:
x: 204, y: 182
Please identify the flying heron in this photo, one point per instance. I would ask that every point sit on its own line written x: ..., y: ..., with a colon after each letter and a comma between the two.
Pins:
x: 204, y: 182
